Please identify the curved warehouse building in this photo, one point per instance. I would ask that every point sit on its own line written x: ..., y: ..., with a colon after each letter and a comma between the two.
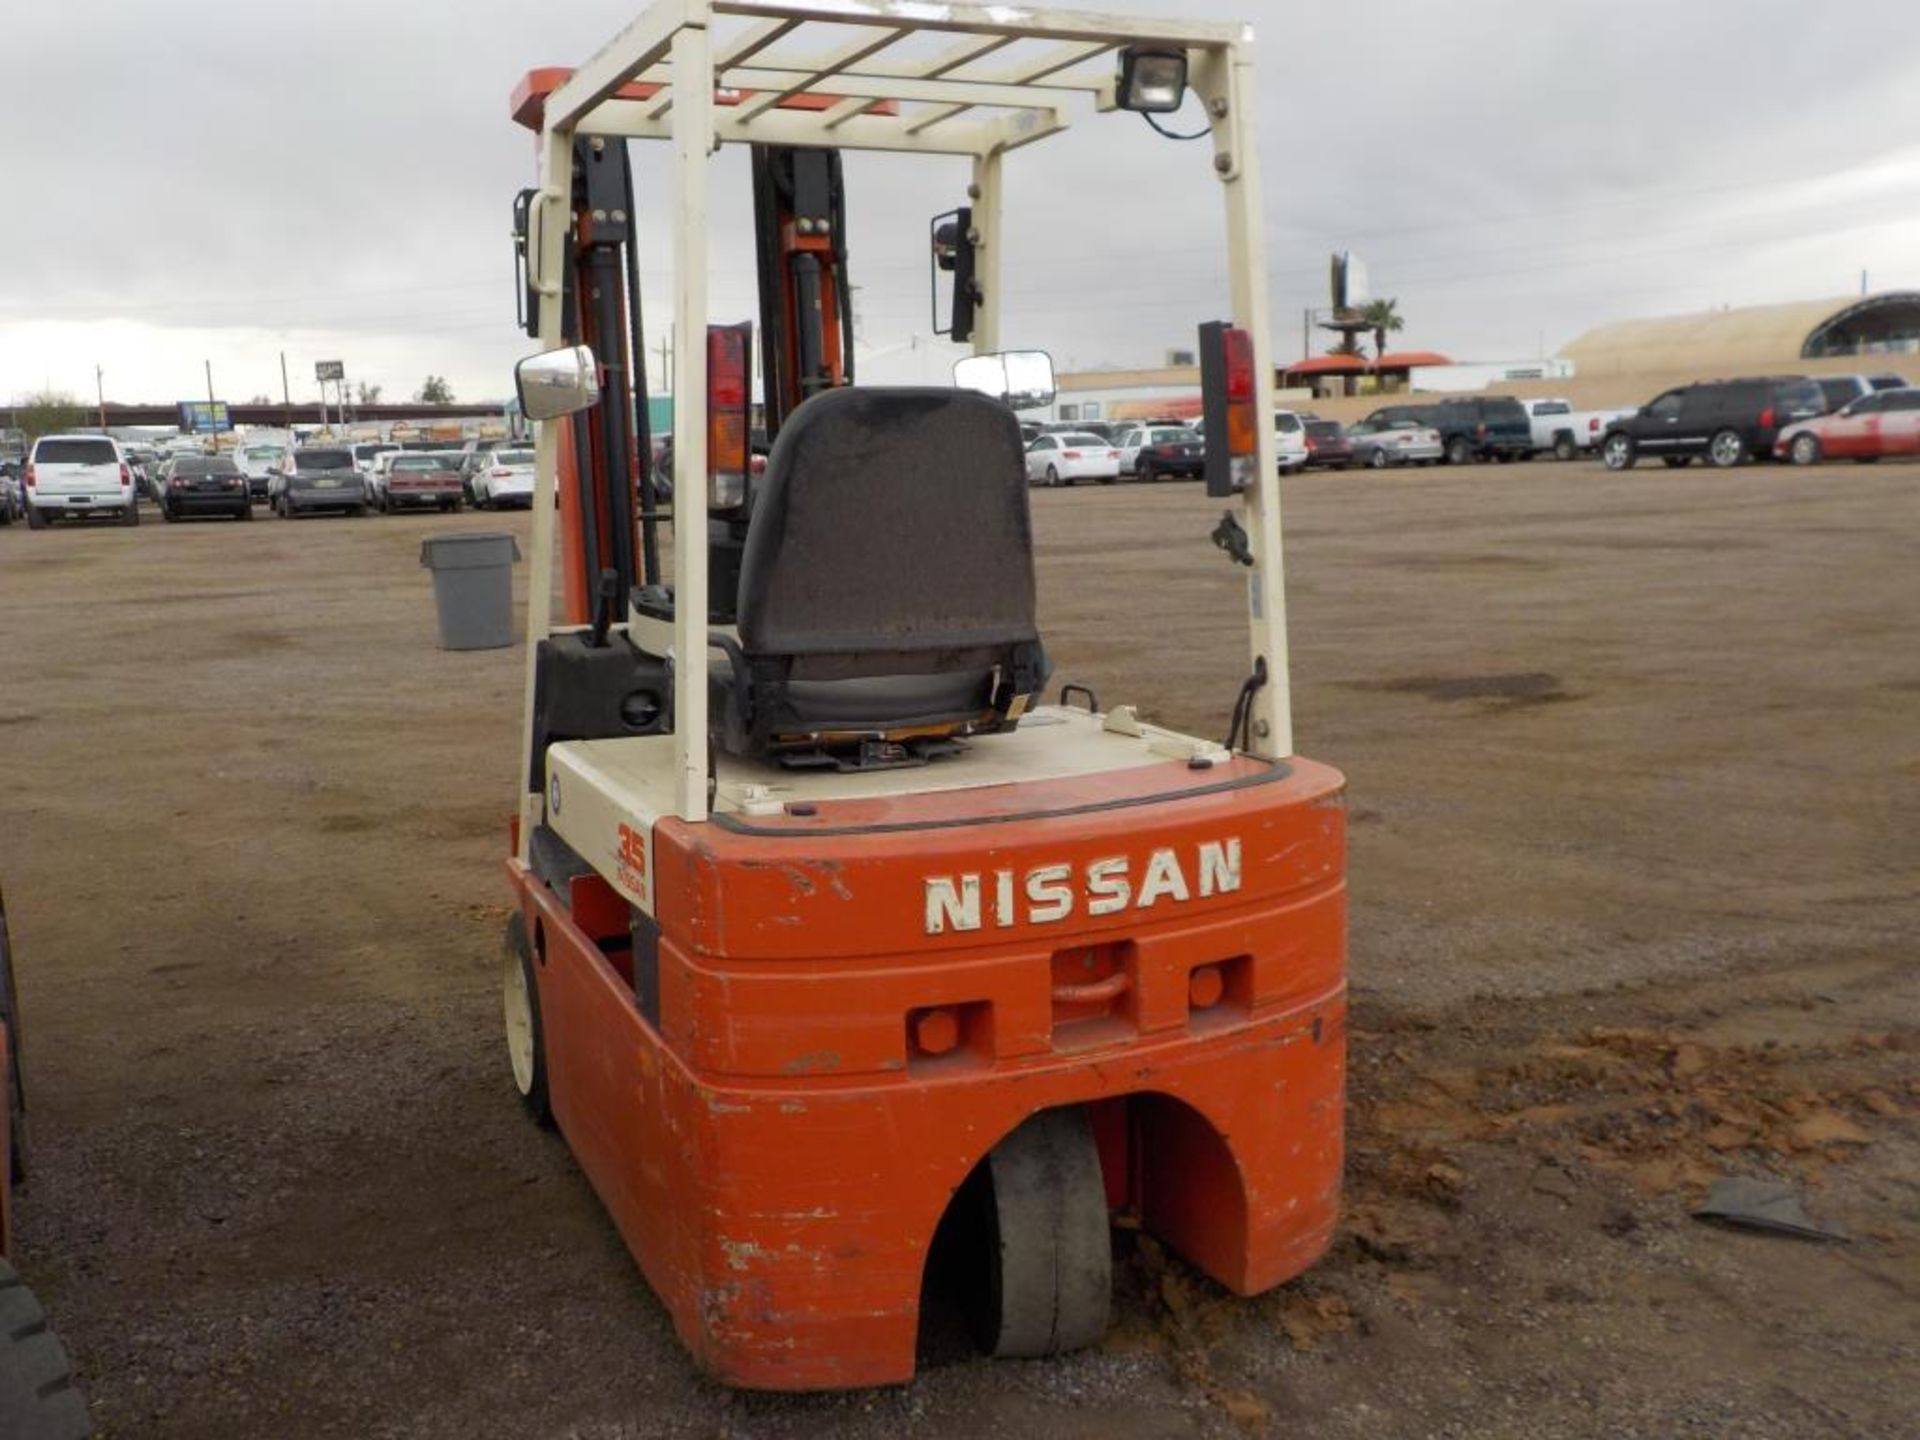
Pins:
x: 1754, y: 339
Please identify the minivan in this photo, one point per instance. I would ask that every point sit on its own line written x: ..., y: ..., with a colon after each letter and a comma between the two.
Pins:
x: 1726, y: 422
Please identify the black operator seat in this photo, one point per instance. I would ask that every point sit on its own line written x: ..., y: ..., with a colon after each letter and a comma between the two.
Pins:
x: 886, y: 588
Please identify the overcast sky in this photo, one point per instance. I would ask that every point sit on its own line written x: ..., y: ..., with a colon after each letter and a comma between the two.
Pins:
x: 224, y: 181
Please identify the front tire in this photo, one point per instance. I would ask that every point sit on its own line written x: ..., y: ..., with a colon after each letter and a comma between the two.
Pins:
x: 38, y: 1399
x: 1726, y: 450
x: 1618, y: 452
x: 526, y: 1040
x: 1805, y: 450
x: 1378, y: 459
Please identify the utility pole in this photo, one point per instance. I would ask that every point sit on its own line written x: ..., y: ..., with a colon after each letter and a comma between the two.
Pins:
x: 100, y: 393
x: 286, y: 396
x: 213, y: 428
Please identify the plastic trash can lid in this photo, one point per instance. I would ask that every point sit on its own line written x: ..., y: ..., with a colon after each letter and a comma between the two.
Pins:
x: 468, y: 552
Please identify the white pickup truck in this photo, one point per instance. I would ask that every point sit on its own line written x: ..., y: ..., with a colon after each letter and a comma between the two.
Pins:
x: 1565, y: 431
x: 78, y: 475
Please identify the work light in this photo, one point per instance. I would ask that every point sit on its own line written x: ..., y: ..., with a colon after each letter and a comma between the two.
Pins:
x: 1152, y: 81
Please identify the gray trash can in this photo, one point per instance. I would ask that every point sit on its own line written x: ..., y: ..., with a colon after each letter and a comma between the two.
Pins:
x: 472, y: 588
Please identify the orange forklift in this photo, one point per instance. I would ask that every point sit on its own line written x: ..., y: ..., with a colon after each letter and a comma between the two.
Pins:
x: 831, y: 934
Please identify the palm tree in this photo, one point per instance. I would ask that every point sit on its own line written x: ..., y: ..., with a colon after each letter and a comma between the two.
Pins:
x: 1385, y: 320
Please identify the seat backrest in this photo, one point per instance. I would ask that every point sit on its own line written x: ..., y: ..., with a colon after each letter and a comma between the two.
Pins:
x: 890, y: 521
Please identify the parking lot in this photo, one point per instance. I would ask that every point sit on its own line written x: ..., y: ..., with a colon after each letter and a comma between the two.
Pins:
x: 1634, y: 772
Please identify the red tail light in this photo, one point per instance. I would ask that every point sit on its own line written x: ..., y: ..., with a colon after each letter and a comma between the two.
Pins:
x: 1229, y: 402
x: 1069, y: 454
x: 1766, y: 418
x: 126, y: 475
x: 28, y: 477
x: 500, y: 472
x: 727, y: 401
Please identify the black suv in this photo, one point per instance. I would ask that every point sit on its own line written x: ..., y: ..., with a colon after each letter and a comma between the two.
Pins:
x: 1727, y: 421
x: 1472, y: 427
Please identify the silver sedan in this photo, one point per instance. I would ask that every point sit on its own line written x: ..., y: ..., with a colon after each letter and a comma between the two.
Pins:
x: 1394, y: 443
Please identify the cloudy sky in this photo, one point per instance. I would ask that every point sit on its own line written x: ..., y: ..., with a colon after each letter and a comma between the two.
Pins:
x: 227, y: 181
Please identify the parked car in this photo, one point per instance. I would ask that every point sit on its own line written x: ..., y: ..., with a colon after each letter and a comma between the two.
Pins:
x: 474, y: 455
x: 1564, y: 432
x: 1290, y: 440
x: 12, y: 505
x: 1841, y: 391
x: 203, y: 485
x: 259, y: 463
x: 1131, y: 438
x: 145, y: 464
x: 1380, y: 443
x: 368, y: 451
x: 1472, y: 427
x: 1061, y: 459
x: 1880, y: 425
x: 1175, y: 453
x: 1328, y: 445
x: 319, y: 477
x: 1726, y: 421
x: 418, y: 479
x: 506, y: 478
x: 76, y: 476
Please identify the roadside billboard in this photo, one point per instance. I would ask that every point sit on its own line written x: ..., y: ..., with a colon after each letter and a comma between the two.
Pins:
x: 204, y: 417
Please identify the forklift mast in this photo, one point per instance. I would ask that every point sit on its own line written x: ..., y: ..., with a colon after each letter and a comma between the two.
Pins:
x: 806, y: 336
x: 806, y: 320
x: 806, y: 302
x: 608, y: 509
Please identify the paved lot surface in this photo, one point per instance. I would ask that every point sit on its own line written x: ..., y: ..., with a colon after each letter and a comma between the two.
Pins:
x: 1635, y: 770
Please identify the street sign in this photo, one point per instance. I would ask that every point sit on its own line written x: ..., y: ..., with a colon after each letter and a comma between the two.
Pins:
x: 330, y: 370
x: 204, y: 417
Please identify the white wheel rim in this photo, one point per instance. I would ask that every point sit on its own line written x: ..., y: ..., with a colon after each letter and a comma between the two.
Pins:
x: 518, y: 1007
x: 1726, y: 450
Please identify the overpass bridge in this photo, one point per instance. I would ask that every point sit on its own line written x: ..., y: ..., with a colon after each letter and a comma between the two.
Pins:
x: 287, y: 416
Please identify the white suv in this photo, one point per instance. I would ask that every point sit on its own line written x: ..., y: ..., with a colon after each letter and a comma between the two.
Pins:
x: 78, y: 475
x: 1290, y: 440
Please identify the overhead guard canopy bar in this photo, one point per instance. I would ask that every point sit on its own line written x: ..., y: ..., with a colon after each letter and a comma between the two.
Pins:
x: 846, y: 74
x: 776, y: 82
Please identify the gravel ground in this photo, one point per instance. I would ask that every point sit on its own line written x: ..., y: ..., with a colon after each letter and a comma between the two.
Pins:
x: 1634, y: 770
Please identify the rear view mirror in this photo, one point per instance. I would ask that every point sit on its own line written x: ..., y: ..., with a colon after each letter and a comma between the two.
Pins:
x: 1022, y: 379
x: 557, y: 382
x: 953, y: 255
